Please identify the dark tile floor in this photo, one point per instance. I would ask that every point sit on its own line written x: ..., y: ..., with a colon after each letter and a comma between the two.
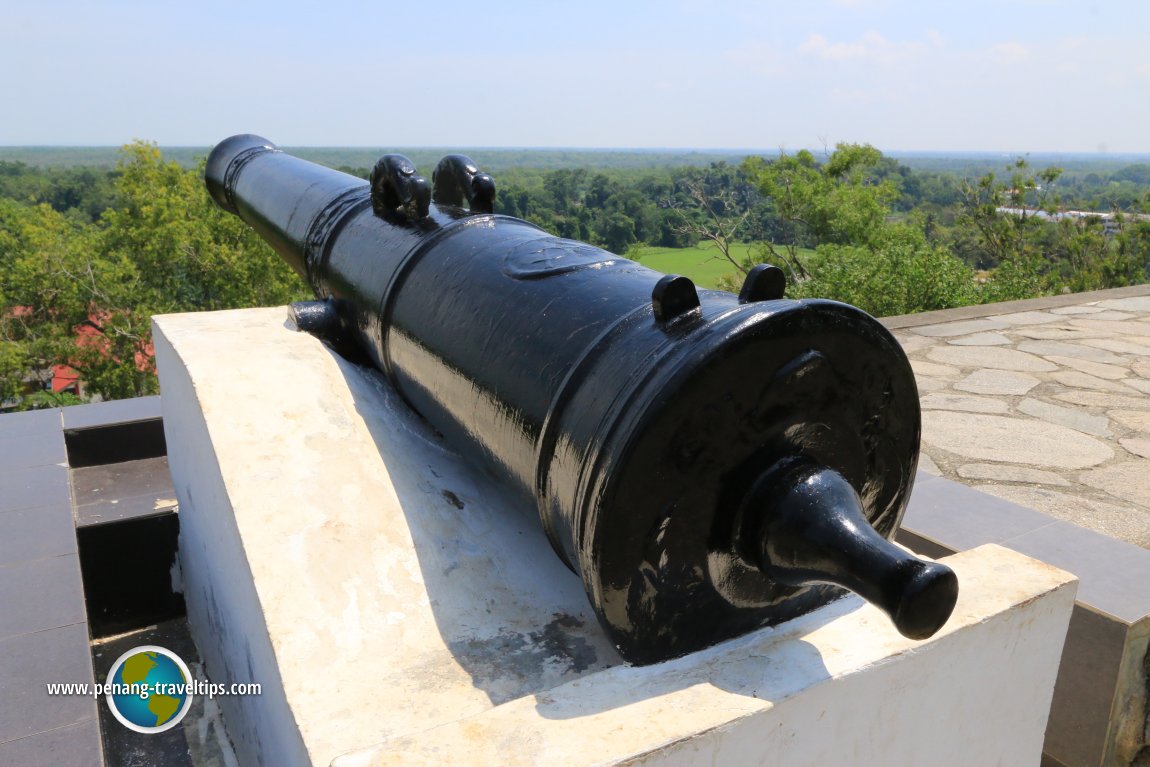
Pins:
x: 44, y: 631
x: 119, y: 491
x: 43, y: 628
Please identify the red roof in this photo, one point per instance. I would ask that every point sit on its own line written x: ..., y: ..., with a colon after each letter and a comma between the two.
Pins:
x: 63, y: 376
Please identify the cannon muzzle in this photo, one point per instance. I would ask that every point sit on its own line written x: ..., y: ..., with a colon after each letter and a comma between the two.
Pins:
x: 707, y: 463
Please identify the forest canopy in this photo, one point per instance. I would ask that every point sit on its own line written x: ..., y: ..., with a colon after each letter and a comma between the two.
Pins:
x: 88, y: 255
x: 78, y: 285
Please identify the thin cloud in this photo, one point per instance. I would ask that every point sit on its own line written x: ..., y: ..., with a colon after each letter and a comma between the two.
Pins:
x: 872, y: 46
x: 1011, y: 52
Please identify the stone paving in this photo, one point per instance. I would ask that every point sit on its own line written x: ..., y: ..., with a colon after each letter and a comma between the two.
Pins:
x: 1047, y: 406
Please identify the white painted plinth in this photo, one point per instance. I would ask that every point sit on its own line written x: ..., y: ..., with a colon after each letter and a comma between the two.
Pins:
x: 399, y: 608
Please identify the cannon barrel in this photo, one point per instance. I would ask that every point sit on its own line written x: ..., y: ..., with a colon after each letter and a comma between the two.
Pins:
x: 707, y: 463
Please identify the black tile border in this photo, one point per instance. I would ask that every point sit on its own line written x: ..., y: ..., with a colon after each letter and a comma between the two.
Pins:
x: 111, y: 413
x: 958, y: 517
x: 37, y: 533
x: 23, y: 451
x: 45, y: 621
x: 41, y: 594
x: 144, y: 483
x: 72, y: 745
x: 951, y: 517
x: 27, y: 663
x: 126, y: 479
x: 35, y: 486
x: 30, y: 422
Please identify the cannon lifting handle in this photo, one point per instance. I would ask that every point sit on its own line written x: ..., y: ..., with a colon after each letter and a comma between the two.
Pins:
x: 457, y: 178
x: 397, y: 188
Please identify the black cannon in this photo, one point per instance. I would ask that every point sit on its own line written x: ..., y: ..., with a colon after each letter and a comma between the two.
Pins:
x: 707, y: 463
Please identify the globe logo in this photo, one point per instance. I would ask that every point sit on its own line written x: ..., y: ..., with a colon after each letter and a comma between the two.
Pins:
x: 149, y: 689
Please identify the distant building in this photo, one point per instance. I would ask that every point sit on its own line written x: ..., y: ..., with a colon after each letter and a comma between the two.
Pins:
x: 62, y: 378
x: 1110, y: 222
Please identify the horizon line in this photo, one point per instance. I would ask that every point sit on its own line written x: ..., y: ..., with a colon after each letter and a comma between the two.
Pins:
x: 680, y: 150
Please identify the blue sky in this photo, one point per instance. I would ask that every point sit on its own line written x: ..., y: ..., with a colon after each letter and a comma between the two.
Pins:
x: 1010, y: 75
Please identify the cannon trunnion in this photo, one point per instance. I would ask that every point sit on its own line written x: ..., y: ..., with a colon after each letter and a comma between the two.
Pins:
x: 707, y: 463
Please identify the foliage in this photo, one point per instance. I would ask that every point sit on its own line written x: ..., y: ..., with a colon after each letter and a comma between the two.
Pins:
x: 901, y: 274
x: 600, y: 208
x: 84, y: 193
x: 840, y: 201
x: 82, y: 294
x: 1021, y: 229
x: 1004, y: 236
x: 491, y: 160
x: 186, y: 252
x: 88, y: 254
x: 44, y: 285
x: 1131, y: 261
x: 841, y: 208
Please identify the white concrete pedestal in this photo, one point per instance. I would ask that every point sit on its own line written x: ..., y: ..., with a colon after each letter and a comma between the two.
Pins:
x: 398, y: 608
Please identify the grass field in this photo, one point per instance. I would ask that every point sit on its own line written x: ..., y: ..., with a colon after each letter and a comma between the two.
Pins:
x: 702, y: 263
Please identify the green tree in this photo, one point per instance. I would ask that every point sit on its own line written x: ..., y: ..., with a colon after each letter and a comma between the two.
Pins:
x: 842, y: 208
x: 1130, y: 263
x: 1033, y: 246
x: 1008, y: 216
x: 83, y: 295
x: 899, y: 272
x: 45, y: 285
x: 842, y: 201
x: 617, y: 231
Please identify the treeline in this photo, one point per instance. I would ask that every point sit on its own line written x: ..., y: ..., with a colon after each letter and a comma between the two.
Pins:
x: 88, y: 255
x: 81, y: 193
x: 860, y: 227
x: 804, y: 201
x: 495, y: 160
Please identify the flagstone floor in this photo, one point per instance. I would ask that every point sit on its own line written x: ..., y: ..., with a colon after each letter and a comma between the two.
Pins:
x: 1048, y: 407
